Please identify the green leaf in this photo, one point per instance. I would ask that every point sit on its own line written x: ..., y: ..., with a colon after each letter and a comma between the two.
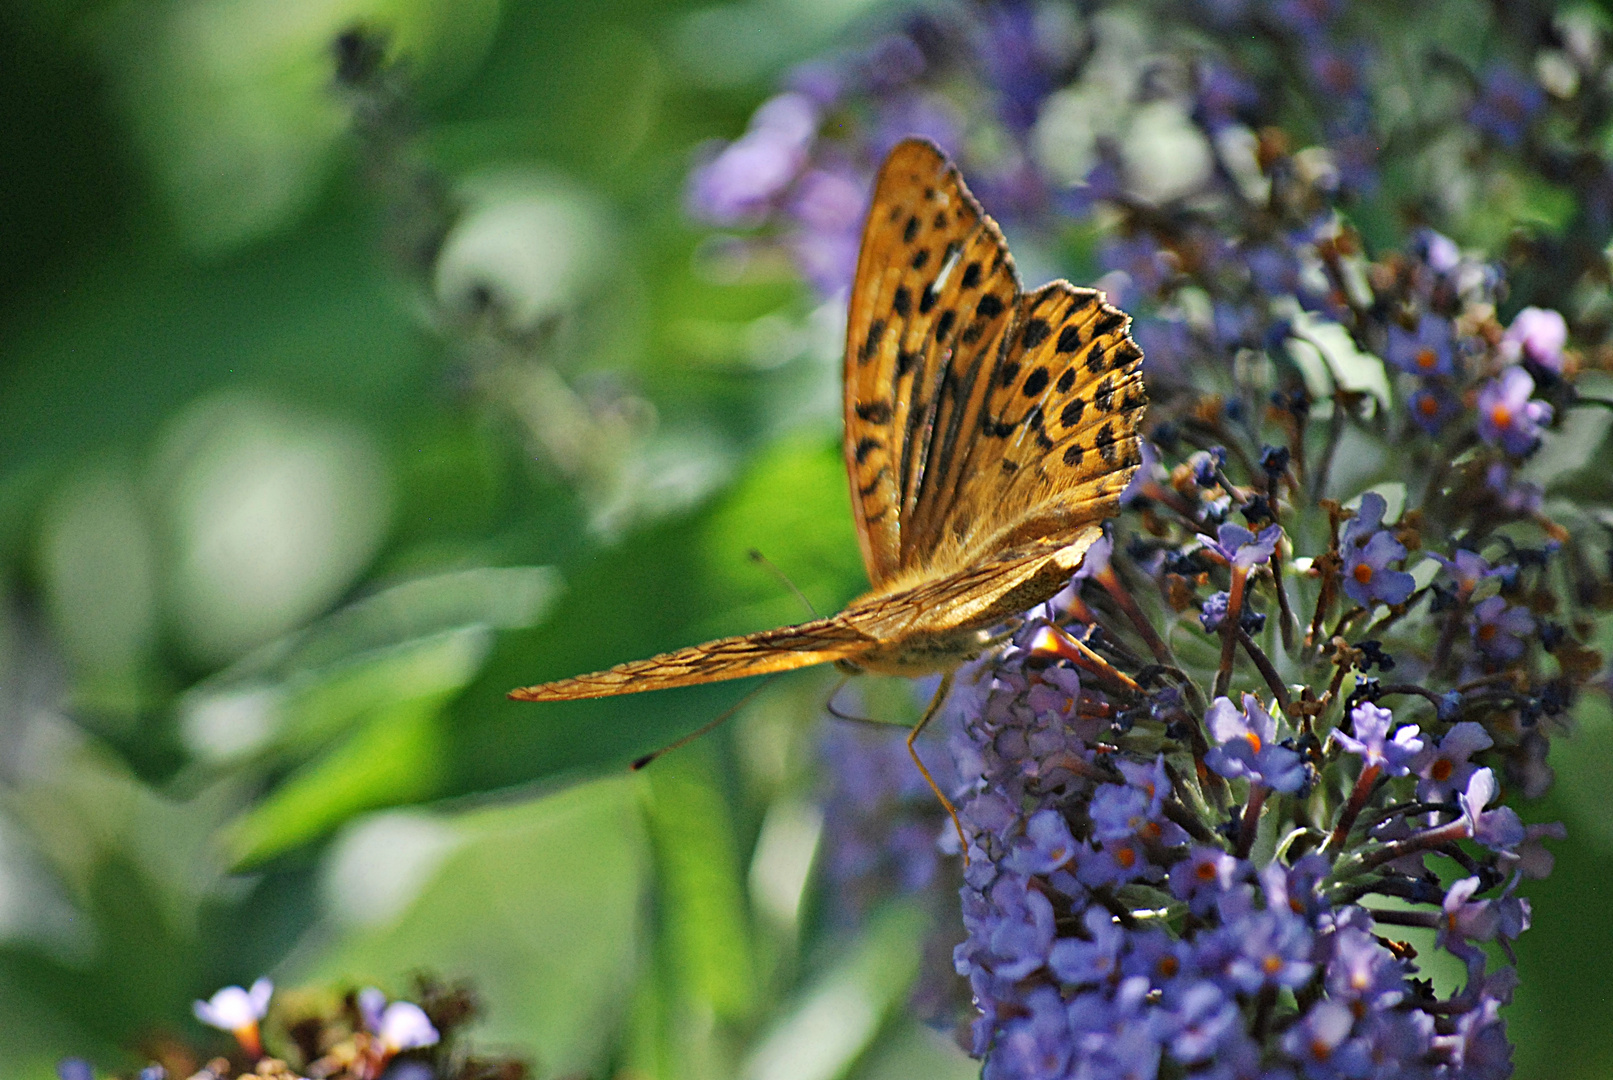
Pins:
x: 394, y: 758
x: 911, y: 1050
x: 703, y: 903
x: 538, y: 903
x: 839, y: 1015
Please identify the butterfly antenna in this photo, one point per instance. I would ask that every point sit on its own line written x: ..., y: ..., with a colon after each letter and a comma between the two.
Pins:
x: 934, y: 707
x: 703, y: 729
x: 763, y: 560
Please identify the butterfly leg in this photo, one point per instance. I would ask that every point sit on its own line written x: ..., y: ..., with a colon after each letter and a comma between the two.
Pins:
x: 829, y: 706
x: 934, y: 707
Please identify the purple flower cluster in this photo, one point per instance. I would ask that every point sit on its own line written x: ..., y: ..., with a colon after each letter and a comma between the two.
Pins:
x: 1174, y: 842
x: 1103, y: 940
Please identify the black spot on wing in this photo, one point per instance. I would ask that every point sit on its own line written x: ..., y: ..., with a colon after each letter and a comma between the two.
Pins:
x: 1035, y: 382
x: 1069, y: 339
x: 920, y: 257
x: 865, y: 446
x: 875, y: 412
x: 943, y: 324
x: 911, y: 232
x: 1070, y: 415
x: 876, y: 331
x: 971, y: 276
x: 1105, y: 442
x: 996, y: 429
x: 1104, y: 397
x: 1066, y: 380
x: 990, y: 306
x: 1036, y: 332
x: 1111, y: 320
x: 903, y: 302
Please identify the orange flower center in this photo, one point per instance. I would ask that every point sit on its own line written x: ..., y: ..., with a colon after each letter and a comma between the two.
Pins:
x: 1487, y: 632
x: 1441, y: 769
x: 1126, y: 857
x: 1205, y: 871
x: 1362, y: 573
x: 1428, y: 405
x: 1500, y: 416
x: 1427, y: 359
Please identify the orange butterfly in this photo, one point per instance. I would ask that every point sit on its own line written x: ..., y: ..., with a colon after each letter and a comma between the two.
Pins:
x: 989, y: 432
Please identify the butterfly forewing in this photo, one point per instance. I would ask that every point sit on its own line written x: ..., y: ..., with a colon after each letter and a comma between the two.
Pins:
x: 934, y: 290
x: 785, y: 649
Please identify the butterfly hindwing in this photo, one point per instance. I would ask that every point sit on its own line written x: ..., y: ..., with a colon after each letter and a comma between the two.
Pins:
x: 1057, y: 440
x: 934, y: 290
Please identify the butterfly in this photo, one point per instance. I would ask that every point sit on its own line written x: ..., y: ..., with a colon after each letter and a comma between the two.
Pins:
x: 989, y: 432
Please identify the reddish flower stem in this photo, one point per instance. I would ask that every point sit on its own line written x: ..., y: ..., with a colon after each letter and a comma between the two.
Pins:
x: 1352, y: 809
x: 1229, y: 628
x: 1250, y: 823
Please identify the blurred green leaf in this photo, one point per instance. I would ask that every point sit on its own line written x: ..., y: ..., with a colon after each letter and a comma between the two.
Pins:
x: 396, y: 757
x: 270, y: 513
x: 310, y: 708
x: 234, y: 104
x: 498, y: 598
x: 840, y: 1013
x: 1575, y: 444
x: 425, y: 637
x: 911, y: 1050
x: 701, y: 886
x: 541, y: 902
x: 99, y: 573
